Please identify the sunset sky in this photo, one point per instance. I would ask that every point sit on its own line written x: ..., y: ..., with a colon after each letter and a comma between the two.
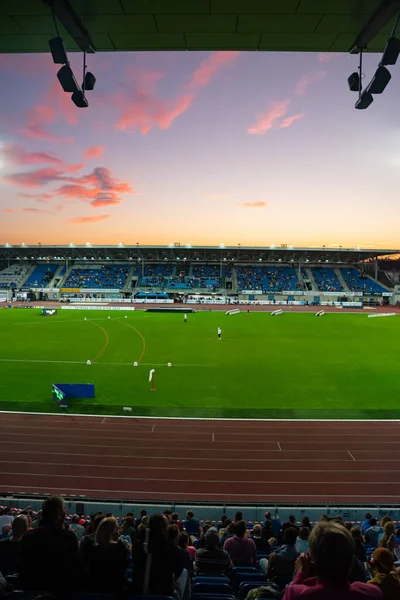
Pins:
x: 201, y: 148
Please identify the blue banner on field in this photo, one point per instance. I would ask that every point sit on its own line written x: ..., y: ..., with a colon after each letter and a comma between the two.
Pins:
x: 63, y: 391
x: 49, y: 312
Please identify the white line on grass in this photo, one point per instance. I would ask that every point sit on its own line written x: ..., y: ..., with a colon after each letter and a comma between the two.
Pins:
x: 81, y: 362
x: 351, y: 455
x: 223, y: 419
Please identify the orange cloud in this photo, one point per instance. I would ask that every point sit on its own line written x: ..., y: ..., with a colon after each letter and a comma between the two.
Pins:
x: 267, y: 119
x: 254, y: 204
x: 304, y: 82
x: 210, y: 67
x: 288, y: 122
x: 95, y: 219
x: 36, y: 178
x: 94, y: 152
x: 29, y: 210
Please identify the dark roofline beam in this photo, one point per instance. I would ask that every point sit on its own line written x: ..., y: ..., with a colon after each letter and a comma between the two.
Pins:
x: 386, y: 11
x: 64, y: 13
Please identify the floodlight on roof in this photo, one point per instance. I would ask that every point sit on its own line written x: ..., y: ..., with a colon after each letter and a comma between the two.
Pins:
x: 365, y: 100
x: 67, y: 79
x: 354, y: 82
x: 89, y: 82
x: 391, y: 52
x: 58, y: 52
x: 379, y: 81
x: 78, y: 98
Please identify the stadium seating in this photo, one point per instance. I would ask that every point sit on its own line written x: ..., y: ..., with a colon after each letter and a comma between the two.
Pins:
x: 156, y: 275
x: 99, y: 277
x: 234, y: 584
x: 267, y: 279
x: 12, y: 276
x: 326, y: 279
x: 356, y: 283
x: 41, y: 276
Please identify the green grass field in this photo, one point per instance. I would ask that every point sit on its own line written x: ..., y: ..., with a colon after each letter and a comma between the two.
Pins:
x: 292, y: 366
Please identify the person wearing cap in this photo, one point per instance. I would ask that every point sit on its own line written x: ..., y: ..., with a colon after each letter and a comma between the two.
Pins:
x: 211, y: 559
x: 386, y: 577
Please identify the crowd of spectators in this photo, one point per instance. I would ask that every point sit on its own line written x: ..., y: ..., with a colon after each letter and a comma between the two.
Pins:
x: 356, y: 282
x: 268, y: 279
x: 162, y: 554
x: 326, y: 280
x: 103, y: 276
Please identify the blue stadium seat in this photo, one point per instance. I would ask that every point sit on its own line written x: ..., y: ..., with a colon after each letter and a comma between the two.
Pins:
x: 209, y: 587
x: 248, y: 578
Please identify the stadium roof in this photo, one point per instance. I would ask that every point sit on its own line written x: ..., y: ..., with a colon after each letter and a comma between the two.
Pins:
x: 241, y: 254
x: 123, y: 25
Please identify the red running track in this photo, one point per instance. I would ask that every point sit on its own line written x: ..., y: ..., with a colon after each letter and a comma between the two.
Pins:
x: 184, y: 460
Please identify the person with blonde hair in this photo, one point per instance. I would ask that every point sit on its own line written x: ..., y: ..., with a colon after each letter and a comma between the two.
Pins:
x: 385, y: 575
x: 105, y: 560
x: 331, y: 557
x: 389, y: 540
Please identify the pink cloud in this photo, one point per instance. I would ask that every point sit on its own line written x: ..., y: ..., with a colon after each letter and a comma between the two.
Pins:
x: 99, y: 187
x: 18, y: 156
x: 64, y: 106
x: 94, y: 152
x: 254, y: 204
x: 210, y: 67
x: 38, y: 117
x: 36, y: 178
x: 304, y: 82
x: 267, y: 119
x: 28, y: 210
x: 141, y: 109
x: 288, y: 122
x: 95, y: 219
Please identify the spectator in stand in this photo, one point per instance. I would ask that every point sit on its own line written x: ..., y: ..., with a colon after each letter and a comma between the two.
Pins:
x: 191, y: 525
x: 366, y: 523
x: 267, y: 532
x: 305, y: 522
x: 173, y: 538
x: 371, y: 534
x: 331, y: 549
x: 359, y: 548
x: 281, y: 562
x: 76, y: 528
x: 241, y: 549
x: 95, y: 521
x: 290, y: 523
x: 276, y: 524
x: 262, y: 544
x: 212, y: 559
x: 302, y: 540
x: 10, y: 550
x: 168, y: 514
x: 221, y: 524
x: 164, y: 559
x: 49, y: 554
x: 127, y: 529
x: 105, y: 559
x: 389, y: 539
x: 385, y: 575
x: 6, y: 517
x: 36, y: 522
x: 176, y: 521
x: 143, y: 513
x: 201, y: 541
x: 238, y: 516
x: 183, y: 542
x: 228, y: 533
x: 385, y: 519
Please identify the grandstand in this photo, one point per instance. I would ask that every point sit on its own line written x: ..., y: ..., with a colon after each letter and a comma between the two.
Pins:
x: 326, y: 280
x: 100, y: 277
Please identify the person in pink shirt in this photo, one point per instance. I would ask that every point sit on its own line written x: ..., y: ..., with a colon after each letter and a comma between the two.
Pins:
x: 330, y: 560
x: 240, y: 548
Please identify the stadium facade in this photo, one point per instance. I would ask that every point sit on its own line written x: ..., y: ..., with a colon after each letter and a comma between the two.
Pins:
x: 224, y: 275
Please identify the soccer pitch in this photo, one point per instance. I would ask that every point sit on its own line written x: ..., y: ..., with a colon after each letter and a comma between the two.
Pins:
x: 291, y: 366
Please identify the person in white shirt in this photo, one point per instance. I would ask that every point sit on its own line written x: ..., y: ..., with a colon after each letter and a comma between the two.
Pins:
x: 6, y: 518
x: 185, y: 318
x: 219, y: 331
